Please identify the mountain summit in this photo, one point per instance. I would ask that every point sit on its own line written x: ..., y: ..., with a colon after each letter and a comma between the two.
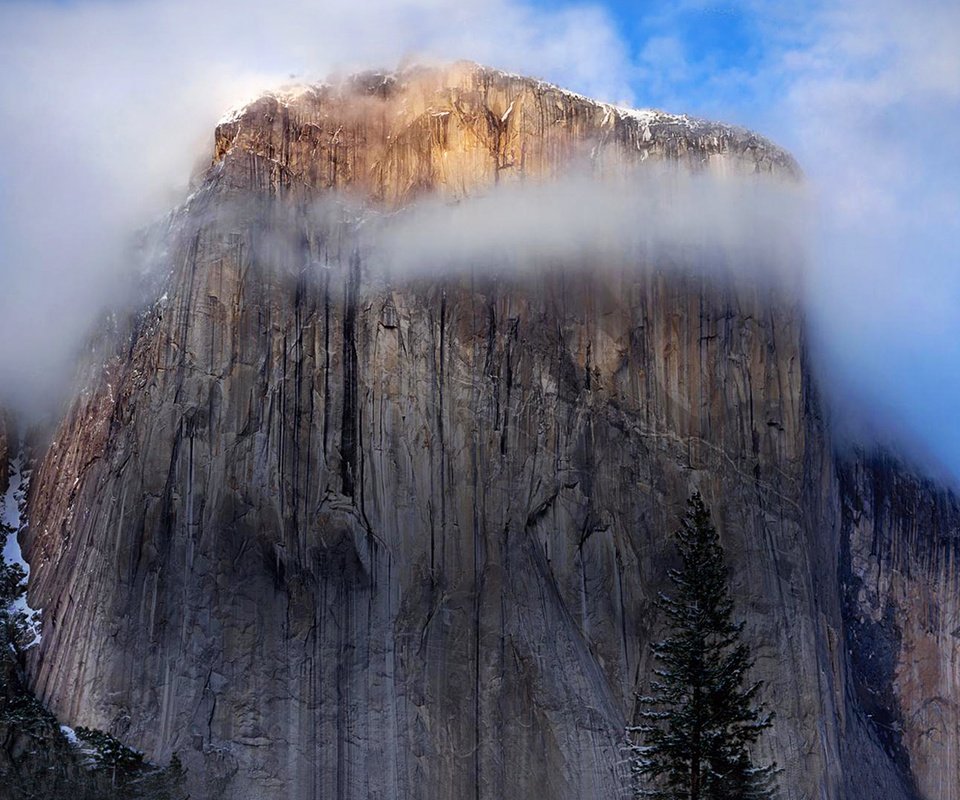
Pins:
x: 327, y: 533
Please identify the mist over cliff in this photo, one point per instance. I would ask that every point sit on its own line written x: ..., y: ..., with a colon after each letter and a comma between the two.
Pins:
x: 370, y: 497
x: 109, y: 108
x: 372, y: 381
x: 716, y: 224
x: 122, y: 132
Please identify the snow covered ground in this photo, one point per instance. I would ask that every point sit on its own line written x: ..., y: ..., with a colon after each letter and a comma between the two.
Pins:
x: 11, y: 511
x: 12, y: 508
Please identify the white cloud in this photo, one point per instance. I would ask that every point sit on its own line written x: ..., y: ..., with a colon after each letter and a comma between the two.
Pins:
x: 872, y: 109
x: 749, y: 226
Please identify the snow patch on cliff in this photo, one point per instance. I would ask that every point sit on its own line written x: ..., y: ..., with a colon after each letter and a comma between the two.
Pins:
x: 12, y: 509
x: 70, y: 735
x: 13, y: 515
x: 285, y: 96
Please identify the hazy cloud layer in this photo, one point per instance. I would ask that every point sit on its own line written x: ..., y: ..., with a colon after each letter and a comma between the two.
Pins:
x: 746, y: 226
x: 874, y: 98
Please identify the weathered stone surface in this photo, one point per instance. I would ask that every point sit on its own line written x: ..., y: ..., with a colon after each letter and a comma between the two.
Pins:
x: 333, y: 536
x: 900, y: 543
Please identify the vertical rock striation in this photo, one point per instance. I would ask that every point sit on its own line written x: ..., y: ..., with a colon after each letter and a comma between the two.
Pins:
x: 899, y: 548
x: 330, y: 534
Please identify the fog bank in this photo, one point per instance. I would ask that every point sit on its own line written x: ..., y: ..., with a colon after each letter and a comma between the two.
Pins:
x: 739, y: 226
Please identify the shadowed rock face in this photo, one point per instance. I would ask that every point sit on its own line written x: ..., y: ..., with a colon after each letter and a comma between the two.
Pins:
x: 327, y: 534
x: 900, y: 544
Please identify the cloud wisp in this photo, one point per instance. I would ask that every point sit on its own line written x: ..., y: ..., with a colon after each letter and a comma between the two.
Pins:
x: 744, y: 226
x: 872, y: 108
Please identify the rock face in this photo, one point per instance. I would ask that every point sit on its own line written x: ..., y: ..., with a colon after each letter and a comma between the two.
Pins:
x: 899, y: 578
x: 329, y: 534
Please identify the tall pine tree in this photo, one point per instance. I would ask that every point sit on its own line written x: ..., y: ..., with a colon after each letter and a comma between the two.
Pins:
x: 697, y: 727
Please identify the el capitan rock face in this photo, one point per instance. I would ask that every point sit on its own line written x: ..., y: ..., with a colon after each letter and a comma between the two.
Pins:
x: 329, y: 534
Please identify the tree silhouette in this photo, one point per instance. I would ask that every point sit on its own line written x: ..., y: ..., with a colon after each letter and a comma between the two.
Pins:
x: 698, y: 724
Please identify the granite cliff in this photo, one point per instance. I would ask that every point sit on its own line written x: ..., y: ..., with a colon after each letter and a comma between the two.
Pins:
x: 330, y: 533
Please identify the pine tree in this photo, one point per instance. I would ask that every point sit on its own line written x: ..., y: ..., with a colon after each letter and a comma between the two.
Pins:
x: 697, y: 726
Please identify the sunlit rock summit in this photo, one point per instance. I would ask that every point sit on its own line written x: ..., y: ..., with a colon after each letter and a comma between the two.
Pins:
x: 331, y: 533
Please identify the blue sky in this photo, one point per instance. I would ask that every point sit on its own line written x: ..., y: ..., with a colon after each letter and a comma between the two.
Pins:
x: 866, y: 94
x: 703, y: 57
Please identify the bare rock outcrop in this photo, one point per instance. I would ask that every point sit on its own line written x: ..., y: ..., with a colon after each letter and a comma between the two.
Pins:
x: 899, y: 578
x: 327, y: 534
